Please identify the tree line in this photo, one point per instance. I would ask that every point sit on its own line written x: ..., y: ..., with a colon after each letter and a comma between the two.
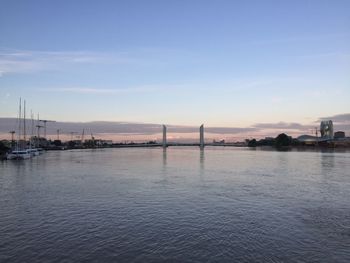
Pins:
x: 281, y: 141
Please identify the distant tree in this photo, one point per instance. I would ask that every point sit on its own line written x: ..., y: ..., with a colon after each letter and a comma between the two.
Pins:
x: 252, y: 143
x: 90, y: 143
x: 266, y: 142
x: 3, y: 148
x: 283, y: 140
x: 72, y: 144
x: 296, y: 142
x: 57, y: 142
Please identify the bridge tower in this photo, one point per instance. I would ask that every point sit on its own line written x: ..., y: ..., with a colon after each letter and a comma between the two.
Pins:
x: 201, y: 136
x: 164, y: 137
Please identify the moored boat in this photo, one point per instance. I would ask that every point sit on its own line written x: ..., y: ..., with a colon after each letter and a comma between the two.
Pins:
x: 19, y: 155
x: 40, y: 150
x: 20, y: 152
x: 34, y: 152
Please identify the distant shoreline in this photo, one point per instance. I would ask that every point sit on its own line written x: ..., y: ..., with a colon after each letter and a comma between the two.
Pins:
x: 267, y: 148
x: 228, y: 145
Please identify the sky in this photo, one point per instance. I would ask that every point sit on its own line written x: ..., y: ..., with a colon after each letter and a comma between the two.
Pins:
x: 221, y: 63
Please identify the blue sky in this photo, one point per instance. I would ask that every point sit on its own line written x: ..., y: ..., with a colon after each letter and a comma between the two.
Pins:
x: 222, y: 63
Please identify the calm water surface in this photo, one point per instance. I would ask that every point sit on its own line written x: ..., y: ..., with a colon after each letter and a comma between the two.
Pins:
x: 178, y: 205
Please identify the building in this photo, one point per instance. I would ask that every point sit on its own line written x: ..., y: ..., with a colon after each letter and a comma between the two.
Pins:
x: 326, y: 129
x: 339, y: 135
x: 308, y: 139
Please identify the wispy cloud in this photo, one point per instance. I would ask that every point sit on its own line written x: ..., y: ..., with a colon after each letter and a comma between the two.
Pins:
x: 257, y: 130
x: 172, y: 88
x: 340, y: 121
x: 341, y: 55
x: 345, y: 117
x: 24, y: 61
x: 13, y: 61
x: 283, y: 126
x: 299, y: 38
x: 102, y: 91
x: 116, y: 90
x: 230, y: 130
x: 125, y: 127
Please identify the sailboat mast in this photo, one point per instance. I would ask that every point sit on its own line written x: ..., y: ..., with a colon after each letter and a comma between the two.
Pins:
x: 24, y: 123
x: 82, y: 136
x: 20, y: 123
x: 32, y: 120
x: 32, y: 130
x: 38, y: 125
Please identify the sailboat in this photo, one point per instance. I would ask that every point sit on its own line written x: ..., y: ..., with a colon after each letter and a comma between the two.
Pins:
x: 20, y: 153
x: 33, y: 151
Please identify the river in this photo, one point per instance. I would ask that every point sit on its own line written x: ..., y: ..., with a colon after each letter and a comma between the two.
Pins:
x: 176, y: 205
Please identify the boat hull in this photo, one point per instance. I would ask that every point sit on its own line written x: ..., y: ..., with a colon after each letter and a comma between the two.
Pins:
x: 18, y: 156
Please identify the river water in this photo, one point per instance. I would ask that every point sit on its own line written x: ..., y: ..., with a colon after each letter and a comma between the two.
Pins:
x: 177, y: 205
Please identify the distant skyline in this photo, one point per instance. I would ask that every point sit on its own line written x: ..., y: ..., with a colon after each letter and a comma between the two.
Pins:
x: 222, y: 63
x: 129, y: 131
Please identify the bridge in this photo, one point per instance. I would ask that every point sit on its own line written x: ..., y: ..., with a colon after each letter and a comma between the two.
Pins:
x: 166, y: 144
x: 201, y: 143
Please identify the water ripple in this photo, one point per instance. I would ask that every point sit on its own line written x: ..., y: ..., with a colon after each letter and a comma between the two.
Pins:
x: 141, y: 205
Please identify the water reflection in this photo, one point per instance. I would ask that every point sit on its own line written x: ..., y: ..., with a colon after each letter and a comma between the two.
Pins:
x: 161, y: 205
x: 201, y: 160
x: 165, y: 160
x: 327, y: 161
x: 283, y: 159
